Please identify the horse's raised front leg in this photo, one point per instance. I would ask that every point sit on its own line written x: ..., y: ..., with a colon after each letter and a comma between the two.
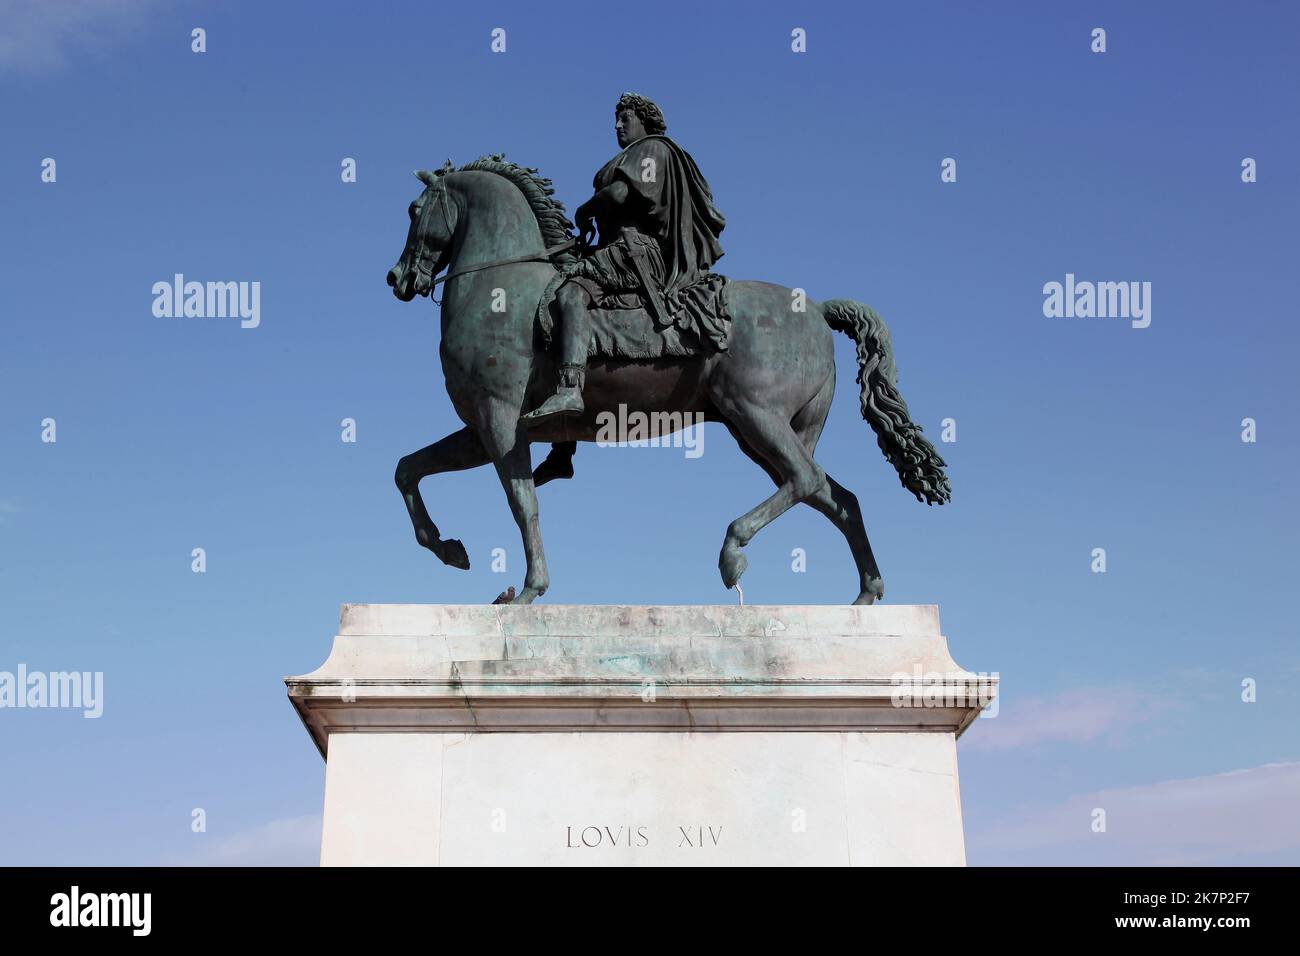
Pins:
x: 456, y: 452
x: 506, y: 441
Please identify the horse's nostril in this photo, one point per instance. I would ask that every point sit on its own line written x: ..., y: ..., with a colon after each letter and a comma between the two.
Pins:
x: 392, y: 276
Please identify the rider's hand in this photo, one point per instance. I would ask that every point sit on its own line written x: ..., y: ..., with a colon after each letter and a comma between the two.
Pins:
x: 587, y: 230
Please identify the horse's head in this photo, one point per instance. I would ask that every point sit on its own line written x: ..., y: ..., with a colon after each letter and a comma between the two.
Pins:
x: 428, y: 242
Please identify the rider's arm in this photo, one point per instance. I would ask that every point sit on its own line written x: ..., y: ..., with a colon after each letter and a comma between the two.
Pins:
x: 604, y: 202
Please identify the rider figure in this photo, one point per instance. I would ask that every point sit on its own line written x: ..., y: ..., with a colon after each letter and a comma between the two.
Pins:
x: 658, y: 232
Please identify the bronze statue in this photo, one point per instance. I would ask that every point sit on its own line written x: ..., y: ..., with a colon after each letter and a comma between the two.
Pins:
x: 644, y: 325
x: 658, y: 233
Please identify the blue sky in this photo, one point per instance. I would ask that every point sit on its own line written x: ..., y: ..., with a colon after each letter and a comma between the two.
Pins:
x: 1120, y: 689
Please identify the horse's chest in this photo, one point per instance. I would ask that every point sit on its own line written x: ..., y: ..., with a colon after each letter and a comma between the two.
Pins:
x: 486, y: 348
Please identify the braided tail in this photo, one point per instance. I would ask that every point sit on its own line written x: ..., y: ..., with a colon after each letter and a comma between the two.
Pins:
x: 918, y: 464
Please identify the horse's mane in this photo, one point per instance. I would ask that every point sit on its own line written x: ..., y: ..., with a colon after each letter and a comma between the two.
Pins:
x: 554, y: 224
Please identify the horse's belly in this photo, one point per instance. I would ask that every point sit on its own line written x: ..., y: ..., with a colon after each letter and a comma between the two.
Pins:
x: 671, y: 385
x: 619, y: 392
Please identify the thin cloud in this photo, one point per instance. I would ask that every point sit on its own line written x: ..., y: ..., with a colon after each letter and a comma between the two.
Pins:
x: 1077, y: 717
x: 293, y: 841
x: 1220, y: 819
x: 43, y: 36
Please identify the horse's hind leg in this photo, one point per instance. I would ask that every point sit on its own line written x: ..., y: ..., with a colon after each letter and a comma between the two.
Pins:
x: 771, y: 438
x: 839, y: 504
x: 833, y: 500
x: 456, y: 452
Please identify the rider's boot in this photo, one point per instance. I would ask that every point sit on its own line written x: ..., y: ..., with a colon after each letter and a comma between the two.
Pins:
x: 558, y: 464
x: 575, y: 333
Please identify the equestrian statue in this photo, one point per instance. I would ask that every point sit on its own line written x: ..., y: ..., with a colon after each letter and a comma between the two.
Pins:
x: 548, y: 326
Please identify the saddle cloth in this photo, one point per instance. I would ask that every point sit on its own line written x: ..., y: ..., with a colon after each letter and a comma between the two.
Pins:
x: 632, y: 334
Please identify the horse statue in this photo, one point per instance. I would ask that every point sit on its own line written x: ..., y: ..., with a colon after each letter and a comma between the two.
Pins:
x: 497, y: 230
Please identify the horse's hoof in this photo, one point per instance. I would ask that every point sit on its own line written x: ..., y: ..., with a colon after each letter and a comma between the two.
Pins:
x: 732, y: 563
x: 873, y: 592
x: 528, y: 595
x: 453, y: 554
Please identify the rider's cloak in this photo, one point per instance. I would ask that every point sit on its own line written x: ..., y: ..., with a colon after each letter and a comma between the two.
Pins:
x: 670, y: 202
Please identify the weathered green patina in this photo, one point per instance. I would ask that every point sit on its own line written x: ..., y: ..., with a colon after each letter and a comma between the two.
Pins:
x: 770, y: 378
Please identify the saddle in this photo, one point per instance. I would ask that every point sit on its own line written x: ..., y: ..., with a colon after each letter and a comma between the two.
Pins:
x: 633, y: 334
x: 701, y: 323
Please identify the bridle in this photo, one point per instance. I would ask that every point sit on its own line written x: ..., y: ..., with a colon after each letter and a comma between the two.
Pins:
x: 421, y: 267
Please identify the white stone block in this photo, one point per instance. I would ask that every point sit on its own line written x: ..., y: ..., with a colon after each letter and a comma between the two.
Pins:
x: 610, y: 735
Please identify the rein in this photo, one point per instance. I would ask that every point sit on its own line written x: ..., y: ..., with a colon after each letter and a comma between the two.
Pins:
x: 542, y: 256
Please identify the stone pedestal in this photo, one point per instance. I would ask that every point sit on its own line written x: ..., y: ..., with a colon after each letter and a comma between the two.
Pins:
x: 615, y: 735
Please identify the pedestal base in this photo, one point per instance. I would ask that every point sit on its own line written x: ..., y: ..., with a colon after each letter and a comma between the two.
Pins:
x: 592, y: 735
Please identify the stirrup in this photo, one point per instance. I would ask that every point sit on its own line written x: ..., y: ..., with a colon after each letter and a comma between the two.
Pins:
x: 565, y: 401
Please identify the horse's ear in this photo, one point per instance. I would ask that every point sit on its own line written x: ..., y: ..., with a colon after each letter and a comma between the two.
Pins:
x: 426, y: 177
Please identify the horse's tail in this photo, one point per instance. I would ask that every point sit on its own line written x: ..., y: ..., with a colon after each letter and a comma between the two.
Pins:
x: 918, y: 464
